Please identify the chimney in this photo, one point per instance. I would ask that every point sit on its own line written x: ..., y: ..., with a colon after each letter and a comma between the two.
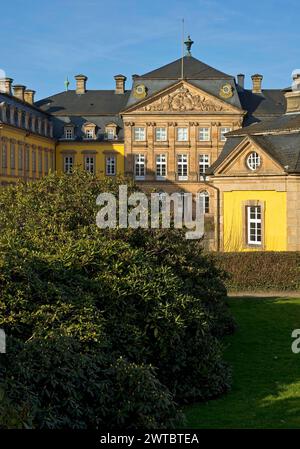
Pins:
x: 81, y: 84
x: 241, y: 80
x: 120, y: 84
x: 5, y: 85
x: 293, y: 96
x: 19, y: 91
x: 29, y: 96
x: 256, y: 80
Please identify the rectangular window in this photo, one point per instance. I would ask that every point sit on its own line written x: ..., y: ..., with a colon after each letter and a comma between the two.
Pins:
x: 204, y: 134
x: 4, y: 157
x: 161, y: 166
x: 46, y: 163
x: 40, y: 162
x: 27, y: 166
x: 254, y: 228
x: 68, y: 133
x: 68, y: 164
x: 89, y: 164
x: 160, y: 134
x: 139, y: 134
x: 203, y: 163
x: 110, y: 133
x: 111, y: 165
x: 223, y: 131
x: 12, y: 157
x: 182, y: 167
x: 89, y: 134
x: 33, y: 161
x: 182, y: 134
x: 139, y: 166
x: 20, y: 158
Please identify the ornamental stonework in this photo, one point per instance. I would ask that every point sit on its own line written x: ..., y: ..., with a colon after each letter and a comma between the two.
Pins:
x: 183, y: 100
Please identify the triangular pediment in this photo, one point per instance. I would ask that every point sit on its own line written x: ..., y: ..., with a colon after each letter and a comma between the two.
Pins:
x: 236, y: 162
x: 182, y: 97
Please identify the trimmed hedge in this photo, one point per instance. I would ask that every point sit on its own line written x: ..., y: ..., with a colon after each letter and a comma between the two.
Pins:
x: 260, y: 271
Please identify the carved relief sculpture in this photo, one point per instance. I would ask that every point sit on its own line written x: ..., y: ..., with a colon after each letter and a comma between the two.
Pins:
x: 183, y: 100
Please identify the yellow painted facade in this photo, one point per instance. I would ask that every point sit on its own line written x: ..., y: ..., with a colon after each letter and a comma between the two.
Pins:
x: 99, y: 150
x: 24, y: 154
x: 274, y: 219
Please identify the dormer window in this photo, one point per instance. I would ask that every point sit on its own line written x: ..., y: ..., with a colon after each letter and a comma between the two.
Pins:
x: 89, y: 134
x: 111, y: 131
x: 89, y: 130
x: 69, y: 132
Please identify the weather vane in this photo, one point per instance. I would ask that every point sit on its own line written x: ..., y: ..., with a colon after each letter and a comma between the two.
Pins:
x: 188, y: 43
x: 67, y: 83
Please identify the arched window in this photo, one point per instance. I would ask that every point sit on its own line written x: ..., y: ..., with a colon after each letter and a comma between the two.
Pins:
x: 204, y: 199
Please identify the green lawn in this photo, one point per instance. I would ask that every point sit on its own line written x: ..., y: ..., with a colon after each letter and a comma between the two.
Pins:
x: 266, y: 374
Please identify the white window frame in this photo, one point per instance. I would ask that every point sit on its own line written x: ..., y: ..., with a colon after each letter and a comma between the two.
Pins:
x: 68, y: 163
x: 161, y: 134
x: 69, y: 133
x: 90, y: 133
x: 182, y: 134
x: 90, y: 163
x: 110, y: 133
x: 182, y: 167
x: 161, y: 166
x: 205, y: 199
x: 110, y: 165
x: 139, y: 167
x: 254, y: 224
x: 204, y: 134
x: 204, y: 163
x: 253, y: 161
x: 139, y: 134
x: 224, y: 130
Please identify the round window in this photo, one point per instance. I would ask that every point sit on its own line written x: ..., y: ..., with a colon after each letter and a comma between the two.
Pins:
x: 253, y: 161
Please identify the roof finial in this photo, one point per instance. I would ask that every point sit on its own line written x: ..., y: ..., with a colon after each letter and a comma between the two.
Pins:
x: 188, y: 43
x: 67, y: 83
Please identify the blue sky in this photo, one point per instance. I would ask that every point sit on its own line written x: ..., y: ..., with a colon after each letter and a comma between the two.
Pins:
x: 45, y: 41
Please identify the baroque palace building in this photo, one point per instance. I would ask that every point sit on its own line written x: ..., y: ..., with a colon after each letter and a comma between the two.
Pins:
x: 184, y: 127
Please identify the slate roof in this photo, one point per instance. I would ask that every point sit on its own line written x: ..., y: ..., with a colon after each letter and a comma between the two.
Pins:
x: 285, y: 122
x: 109, y: 105
x: 230, y: 144
x: 78, y: 121
x: 280, y: 138
x: 93, y: 102
x: 27, y: 107
x: 97, y: 106
x: 193, y: 69
x: 270, y: 103
x: 212, y: 87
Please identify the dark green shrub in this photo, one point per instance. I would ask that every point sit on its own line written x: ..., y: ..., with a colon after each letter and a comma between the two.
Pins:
x: 260, y: 271
x: 54, y: 383
x: 150, y: 297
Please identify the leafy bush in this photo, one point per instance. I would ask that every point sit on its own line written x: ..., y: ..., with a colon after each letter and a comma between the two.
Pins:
x: 260, y: 271
x: 130, y: 298
x: 55, y: 383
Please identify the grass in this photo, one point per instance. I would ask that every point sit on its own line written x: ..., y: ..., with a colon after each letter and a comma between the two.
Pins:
x: 266, y: 373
